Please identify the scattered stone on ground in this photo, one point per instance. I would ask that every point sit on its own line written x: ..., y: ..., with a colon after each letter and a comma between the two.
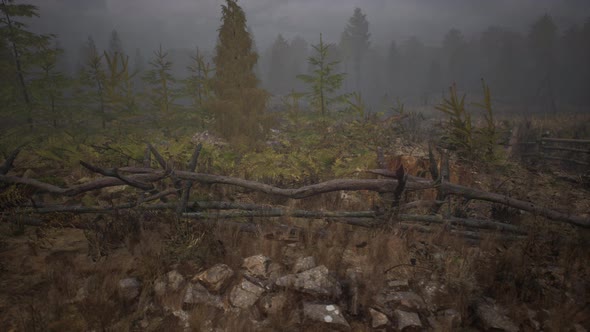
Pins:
x: 324, y: 313
x: 407, y: 321
x: 492, y: 316
x: 129, y: 288
x: 316, y: 281
x: 215, y: 278
x: 198, y: 294
x: 245, y: 294
x: 257, y: 266
x: 378, y: 319
x: 304, y: 264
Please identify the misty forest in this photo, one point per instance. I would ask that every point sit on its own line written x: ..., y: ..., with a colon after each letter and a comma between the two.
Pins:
x: 294, y: 166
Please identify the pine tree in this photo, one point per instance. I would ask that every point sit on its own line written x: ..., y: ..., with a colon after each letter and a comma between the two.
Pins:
x: 93, y: 76
x: 298, y: 53
x: 138, y: 71
x: 198, y: 85
x: 541, y: 42
x: 394, y: 68
x: 278, y: 75
x: 162, y: 90
x: 49, y: 87
x: 323, y: 81
x: 454, y: 51
x: 115, y: 44
x: 24, y: 47
x: 239, y: 105
x: 356, y: 38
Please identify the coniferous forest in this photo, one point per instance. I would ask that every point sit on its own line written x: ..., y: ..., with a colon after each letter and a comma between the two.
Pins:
x: 262, y: 174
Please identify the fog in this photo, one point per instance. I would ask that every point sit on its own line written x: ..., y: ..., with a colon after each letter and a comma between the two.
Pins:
x: 187, y: 23
x: 418, y: 29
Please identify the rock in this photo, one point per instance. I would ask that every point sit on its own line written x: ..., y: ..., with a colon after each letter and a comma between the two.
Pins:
x: 435, y: 294
x: 304, y: 264
x: 378, y: 319
x: 325, y: 313
x: 449, y: 318
x: 183, y: 317
x: 352, y: 290
x: 407, y: 321
x: 257, y: 265
x: 173, y: 281
x: 291, y: 252
x: 398, y: 285
x: 272, y: 304
x: 245, y: 294
x: 275, y: 271
x: 578, y: 328
x: 492, y: 316
x: 403, y: 300
x: 532, y: 319
x: 216, y: 277
x: 129, y: 288
x: 198, y: 294
x: 316, y: 281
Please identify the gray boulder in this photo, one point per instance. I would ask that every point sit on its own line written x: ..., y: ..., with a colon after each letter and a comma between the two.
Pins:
x: 316, y: 281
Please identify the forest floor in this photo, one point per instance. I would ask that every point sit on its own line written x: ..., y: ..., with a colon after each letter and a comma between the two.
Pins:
x: 53, y: 279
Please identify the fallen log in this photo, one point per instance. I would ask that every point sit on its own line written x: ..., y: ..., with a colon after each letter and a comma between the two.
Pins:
x: 455, y: 189
x: 378, y: 185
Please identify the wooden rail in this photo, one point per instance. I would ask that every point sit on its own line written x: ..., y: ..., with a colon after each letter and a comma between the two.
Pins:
x: 569, y: 151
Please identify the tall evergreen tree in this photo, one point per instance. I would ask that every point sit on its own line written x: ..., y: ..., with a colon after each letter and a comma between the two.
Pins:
x: 93, y: 76
x: 542, y: 41
x: 49, y: 86
x: 356, y: 38
x: 115, y: 44
x: 454, y: 48
x: 239, y: 106
x: 394, y: 69
x: 24, y: 47
x: 298, y: 50
x: 198, y: 85
x: 278, y: 74
x: 162, y: 90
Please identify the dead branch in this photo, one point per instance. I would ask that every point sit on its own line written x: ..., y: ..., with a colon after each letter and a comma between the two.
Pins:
x: 112, y: 172
x: 188, y: 183
x: 454, y: 189
x: 81, y: 188
x: 7, y: 165
x: 158, y: 157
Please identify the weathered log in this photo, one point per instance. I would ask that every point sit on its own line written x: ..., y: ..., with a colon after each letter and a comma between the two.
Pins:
x: 378, y: 185
x: 81, y: 188
x: 112, y: 172
x: 455, y: 189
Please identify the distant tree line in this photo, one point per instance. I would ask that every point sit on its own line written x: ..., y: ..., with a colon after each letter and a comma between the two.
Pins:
x: 540, y: 68
x: 544, y: 69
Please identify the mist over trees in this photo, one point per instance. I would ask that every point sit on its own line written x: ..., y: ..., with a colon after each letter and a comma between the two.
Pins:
x: 544, y: 68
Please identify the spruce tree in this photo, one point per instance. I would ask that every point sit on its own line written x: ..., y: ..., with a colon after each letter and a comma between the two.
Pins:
x: 356, y: 39
x: 198, y: 85
x: 278, y: 75
x: 162, y: 85
x: 239, y: 106
x: 24, y: 47
x: 115, y: 44
x: 323, y: 82
x: 92, y: 77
